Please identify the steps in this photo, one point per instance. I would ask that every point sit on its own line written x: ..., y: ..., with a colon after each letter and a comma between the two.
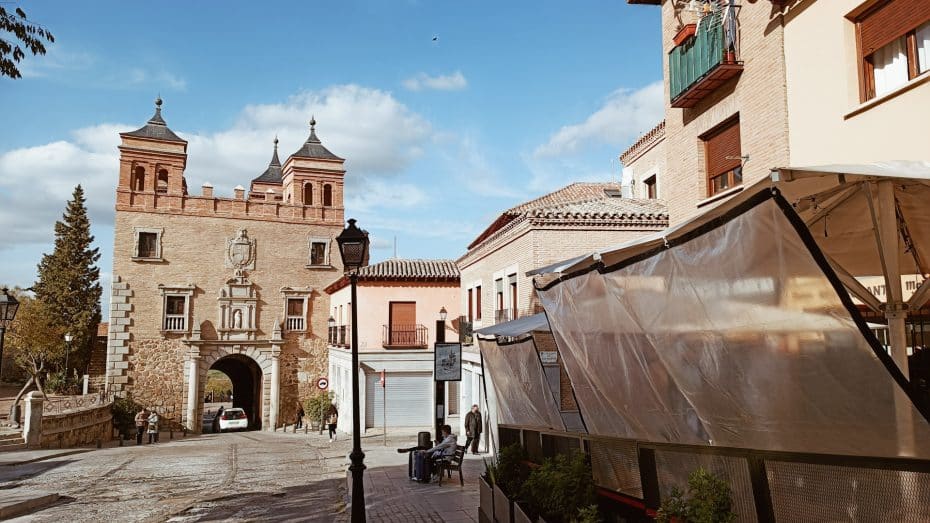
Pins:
x: 11, y: 440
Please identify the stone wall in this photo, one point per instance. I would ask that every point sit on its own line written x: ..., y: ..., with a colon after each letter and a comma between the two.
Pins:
x: 156, y: 367
x: 75, y: 429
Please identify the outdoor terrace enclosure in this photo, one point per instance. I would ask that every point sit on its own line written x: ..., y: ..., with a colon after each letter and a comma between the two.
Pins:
x: 736, y: 336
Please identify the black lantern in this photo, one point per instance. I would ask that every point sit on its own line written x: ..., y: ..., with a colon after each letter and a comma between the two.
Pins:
x: 442, y: 314
x: 353, y: 246
x: 8, y: 308
x: 331, y: 322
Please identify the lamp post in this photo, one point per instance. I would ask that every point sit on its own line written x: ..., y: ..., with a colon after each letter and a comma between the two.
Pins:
x: 68, y: 338
x: 353, y: 247
x: 331, y: 323
x: 8, y: 308
x: 440, y: 385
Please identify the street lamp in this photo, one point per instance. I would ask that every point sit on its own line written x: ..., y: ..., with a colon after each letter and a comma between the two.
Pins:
x: 331, y: 323
x: 68, y: 338
x: 353, y: 247
x: 440, y: 386
x: 8, y: 308
x: 442, y: 314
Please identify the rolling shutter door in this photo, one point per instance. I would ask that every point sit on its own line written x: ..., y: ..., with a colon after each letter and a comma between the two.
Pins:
x: 467, y: 399
x: 409, y: 399
x: 723, y: 149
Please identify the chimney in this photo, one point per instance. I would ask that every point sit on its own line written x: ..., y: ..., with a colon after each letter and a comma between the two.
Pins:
x: 207, y: 188
x: 239, y: 192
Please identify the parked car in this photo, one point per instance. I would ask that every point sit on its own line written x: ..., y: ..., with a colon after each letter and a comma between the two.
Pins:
x: 233, y: 419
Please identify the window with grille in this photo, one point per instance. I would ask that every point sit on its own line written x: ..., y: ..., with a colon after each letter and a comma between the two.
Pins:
x: 295, y: 315
x: 893, y: 39
x: 723, y: 157
x: 175, y: 313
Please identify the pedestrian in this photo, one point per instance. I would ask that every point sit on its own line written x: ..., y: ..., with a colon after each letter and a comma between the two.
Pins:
x: 333, y: 419
x: 216, y: 420
x: 300, y: 415
x: 142, y: 421
x: 153, y: 427
x: 473, y: 429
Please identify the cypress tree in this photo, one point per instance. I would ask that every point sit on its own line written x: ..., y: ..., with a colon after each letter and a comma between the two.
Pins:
x: 69, y: 280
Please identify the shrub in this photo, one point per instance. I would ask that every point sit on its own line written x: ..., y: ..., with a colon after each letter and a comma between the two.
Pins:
x: 316, y: 407
x: 124, y: 414
x: 511, y: 469
x: 708, y: 501
x: 562, y: 489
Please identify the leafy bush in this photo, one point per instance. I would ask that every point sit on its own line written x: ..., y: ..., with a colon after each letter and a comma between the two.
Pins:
x: 589, y: 514
x: 511, y: 469
x: 561, y: 489
x: 317, y: 406
x: 708, y: 501
x: 124, y: 414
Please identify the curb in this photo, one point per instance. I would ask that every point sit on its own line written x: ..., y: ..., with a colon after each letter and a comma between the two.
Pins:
x: 26, y: 506
x: 43, y: 458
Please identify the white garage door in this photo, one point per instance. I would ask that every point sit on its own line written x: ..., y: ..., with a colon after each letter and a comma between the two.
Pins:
x: 409, y: 400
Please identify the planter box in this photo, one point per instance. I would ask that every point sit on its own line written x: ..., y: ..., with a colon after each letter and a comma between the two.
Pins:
x: 503, y: 506
x: 520, y: 516
x: 485, y: 501
x: 685, y: 33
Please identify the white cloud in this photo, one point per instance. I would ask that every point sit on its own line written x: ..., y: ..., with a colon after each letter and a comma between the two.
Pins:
x: 380, y: 194
x: 472, y: 170
x: 625, y: 114
x: 449, y: 82
x: 55, y: 61
x: 377, y: 134
x: 160, y: 80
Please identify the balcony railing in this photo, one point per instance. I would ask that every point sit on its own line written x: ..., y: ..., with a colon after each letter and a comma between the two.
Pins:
x: 294, y: 323
x: 405, y: 336
x: 175, y: 322
x: 701, y: 64
x: 466, y: 331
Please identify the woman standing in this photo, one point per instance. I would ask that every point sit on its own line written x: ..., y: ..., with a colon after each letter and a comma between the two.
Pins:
x: 333, y: 418
x: 153, y: 427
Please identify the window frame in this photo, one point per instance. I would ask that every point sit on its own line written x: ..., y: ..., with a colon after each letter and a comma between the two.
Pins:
x: 296, y: 293
x: 136, y: 235
x: 176, y: 291
x: 327, y: 199
x: 651, y: 184
x: 731, y: 174
x: 327, y: 242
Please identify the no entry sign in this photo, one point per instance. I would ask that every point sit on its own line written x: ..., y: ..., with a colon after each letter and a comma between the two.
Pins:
x: 322, y: 383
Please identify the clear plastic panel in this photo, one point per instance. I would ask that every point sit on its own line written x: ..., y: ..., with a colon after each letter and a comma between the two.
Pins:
x: 522, y: 394
x: 735, y: 338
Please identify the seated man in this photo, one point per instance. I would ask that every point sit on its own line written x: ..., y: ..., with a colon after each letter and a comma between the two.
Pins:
x: 423, y: 458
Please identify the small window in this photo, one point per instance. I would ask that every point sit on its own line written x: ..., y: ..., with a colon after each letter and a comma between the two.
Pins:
x: 478, y: 303
x: 318, y: 253
x: 650, y: 184
x: 147, y: 244
x: 138, y: 179
x: 470, y: 303
x: 175, y: 313
x: 723, y: 157
x: 308, y: 194
x: 893, y: 40
x: 295, y: 314
x: 162, y: 183
x: 327, y: 195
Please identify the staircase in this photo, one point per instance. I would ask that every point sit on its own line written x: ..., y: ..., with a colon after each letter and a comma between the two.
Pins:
x: 11, y: 440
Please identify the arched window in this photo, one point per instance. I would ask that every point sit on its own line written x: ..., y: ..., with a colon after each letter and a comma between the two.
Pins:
x: 308, y: 194
x: 138, y: 179
x: 327, y: 195
x: 162, y: 184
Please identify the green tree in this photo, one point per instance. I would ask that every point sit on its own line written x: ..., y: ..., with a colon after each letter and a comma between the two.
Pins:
x: 69, y: 283
x: 36, y: 343
x: 27, y: 34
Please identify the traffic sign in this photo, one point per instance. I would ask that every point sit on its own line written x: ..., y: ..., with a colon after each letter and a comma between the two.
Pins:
x: 322, y: 383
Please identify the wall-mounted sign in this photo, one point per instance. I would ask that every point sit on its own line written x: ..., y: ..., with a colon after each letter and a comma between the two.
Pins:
x: 548, y: 357
x: 322, y: 383
x: 447, y: 362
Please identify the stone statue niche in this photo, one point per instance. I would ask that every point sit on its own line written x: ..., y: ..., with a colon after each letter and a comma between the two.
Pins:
x: 238, y: 303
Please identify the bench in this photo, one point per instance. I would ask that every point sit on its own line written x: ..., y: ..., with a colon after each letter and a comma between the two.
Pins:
x: 453, y: 462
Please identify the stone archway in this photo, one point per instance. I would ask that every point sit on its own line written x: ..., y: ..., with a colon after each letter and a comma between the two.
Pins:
x: 247, y: 379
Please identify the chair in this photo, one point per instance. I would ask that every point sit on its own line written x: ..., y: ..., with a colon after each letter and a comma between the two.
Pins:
x: 453, y: 462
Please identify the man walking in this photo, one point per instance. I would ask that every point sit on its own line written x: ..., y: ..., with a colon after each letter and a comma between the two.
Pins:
x: 142, y: 421
x: 473, y: 429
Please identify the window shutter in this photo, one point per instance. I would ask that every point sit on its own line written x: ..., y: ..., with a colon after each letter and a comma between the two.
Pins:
x: 891, y: 20
x: 723, y: 149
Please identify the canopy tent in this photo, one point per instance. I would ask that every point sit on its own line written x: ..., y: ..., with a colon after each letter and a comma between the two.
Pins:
x: 517, y: 327
x: 868, y: 219
x: 731, y: 329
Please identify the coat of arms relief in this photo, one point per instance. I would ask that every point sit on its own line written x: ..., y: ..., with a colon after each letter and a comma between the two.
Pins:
x: 240, y: 252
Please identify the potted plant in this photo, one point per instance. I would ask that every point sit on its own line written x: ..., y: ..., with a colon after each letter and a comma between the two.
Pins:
x: 510, y: 472
x: 683, y: 34
x: 708, y: 501
x: 486, y: 491
x: 562, y: 489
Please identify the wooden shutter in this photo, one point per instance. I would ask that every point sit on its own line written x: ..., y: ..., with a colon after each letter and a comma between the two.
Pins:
x: 478, y: 302
x: 889, y: 20
x: 403, y: 313
x: 723, y: 149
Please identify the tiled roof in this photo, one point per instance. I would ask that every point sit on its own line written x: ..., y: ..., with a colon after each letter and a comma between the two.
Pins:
x: 156, y: 128
x: 313, y: 147
x: 643, y: 144
x: 404, y: 270
x: 273, y: 173
x: 582, y: 201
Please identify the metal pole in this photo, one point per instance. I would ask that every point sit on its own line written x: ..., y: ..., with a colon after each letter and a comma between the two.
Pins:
x: 440, y: 385
x: 2, y: 334
x: 384, y: 406
x: 67, y: 358
x: 357, y: 457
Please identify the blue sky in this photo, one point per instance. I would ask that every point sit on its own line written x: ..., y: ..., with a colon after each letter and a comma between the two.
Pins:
x: 513, y: 100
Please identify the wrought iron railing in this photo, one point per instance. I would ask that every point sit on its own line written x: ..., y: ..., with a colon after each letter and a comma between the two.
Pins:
x: 411, y: 335
x: 695, y: 58
x: 466, y: 331
x: 500, y: 316
x: 345, y: 337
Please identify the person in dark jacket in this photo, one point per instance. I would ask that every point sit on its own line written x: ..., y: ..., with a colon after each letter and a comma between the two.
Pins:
x: 473, y: 429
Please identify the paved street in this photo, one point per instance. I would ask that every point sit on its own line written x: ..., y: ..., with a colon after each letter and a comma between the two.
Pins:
x: 247, y: 476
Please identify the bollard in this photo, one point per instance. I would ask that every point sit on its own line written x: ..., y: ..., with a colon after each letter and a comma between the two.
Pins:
x: 171, y: 434
x: 99, y: 443
x: 305, y: 427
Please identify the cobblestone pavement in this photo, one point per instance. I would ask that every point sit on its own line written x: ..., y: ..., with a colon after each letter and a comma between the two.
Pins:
x: 250, y: 476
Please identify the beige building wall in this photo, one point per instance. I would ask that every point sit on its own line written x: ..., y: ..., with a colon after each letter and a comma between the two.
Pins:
x: 652, y: 162
x: 757, y: 95
x: 827, y: 121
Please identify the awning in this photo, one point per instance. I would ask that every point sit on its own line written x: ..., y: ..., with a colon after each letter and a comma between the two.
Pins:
x: 517, y: 327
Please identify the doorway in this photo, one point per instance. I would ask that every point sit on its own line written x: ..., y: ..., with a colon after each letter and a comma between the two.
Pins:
x: 246, y: 378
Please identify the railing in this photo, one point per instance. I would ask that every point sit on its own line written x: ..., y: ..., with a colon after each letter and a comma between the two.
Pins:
x: 696, y: 59
x: 345, y: 337
x: 466, y: 331
x: 411, y: 335
x: 500, y: 316
x: 294, y: 323
x: 65, y: 404
x: 175, y: 322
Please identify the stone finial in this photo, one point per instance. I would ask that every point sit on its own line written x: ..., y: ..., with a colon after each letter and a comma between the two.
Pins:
x: 239, y: 192
x: 207, y: 189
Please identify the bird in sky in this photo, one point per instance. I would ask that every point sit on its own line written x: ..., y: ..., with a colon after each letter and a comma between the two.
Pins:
x: 436, y: 38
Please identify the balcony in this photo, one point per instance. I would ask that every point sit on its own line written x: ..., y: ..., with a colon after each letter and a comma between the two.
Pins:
x: 701, y: 64
x: 466, y: 331
x: 405, y: 336
x: 294, y: 324
x: 502, y: 315
x: 175, y: 322
x: 340, y: 336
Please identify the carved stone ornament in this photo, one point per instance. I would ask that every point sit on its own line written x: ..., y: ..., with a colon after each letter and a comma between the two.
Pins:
x: 240, y: 252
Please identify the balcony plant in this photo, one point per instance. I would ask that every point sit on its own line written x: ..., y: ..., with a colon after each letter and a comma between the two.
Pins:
x: 561, y: 489
x: 316, y: 407
x: 707, y: 501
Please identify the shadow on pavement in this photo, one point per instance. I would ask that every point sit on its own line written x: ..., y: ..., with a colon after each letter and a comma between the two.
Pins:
x: 318, y: 501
